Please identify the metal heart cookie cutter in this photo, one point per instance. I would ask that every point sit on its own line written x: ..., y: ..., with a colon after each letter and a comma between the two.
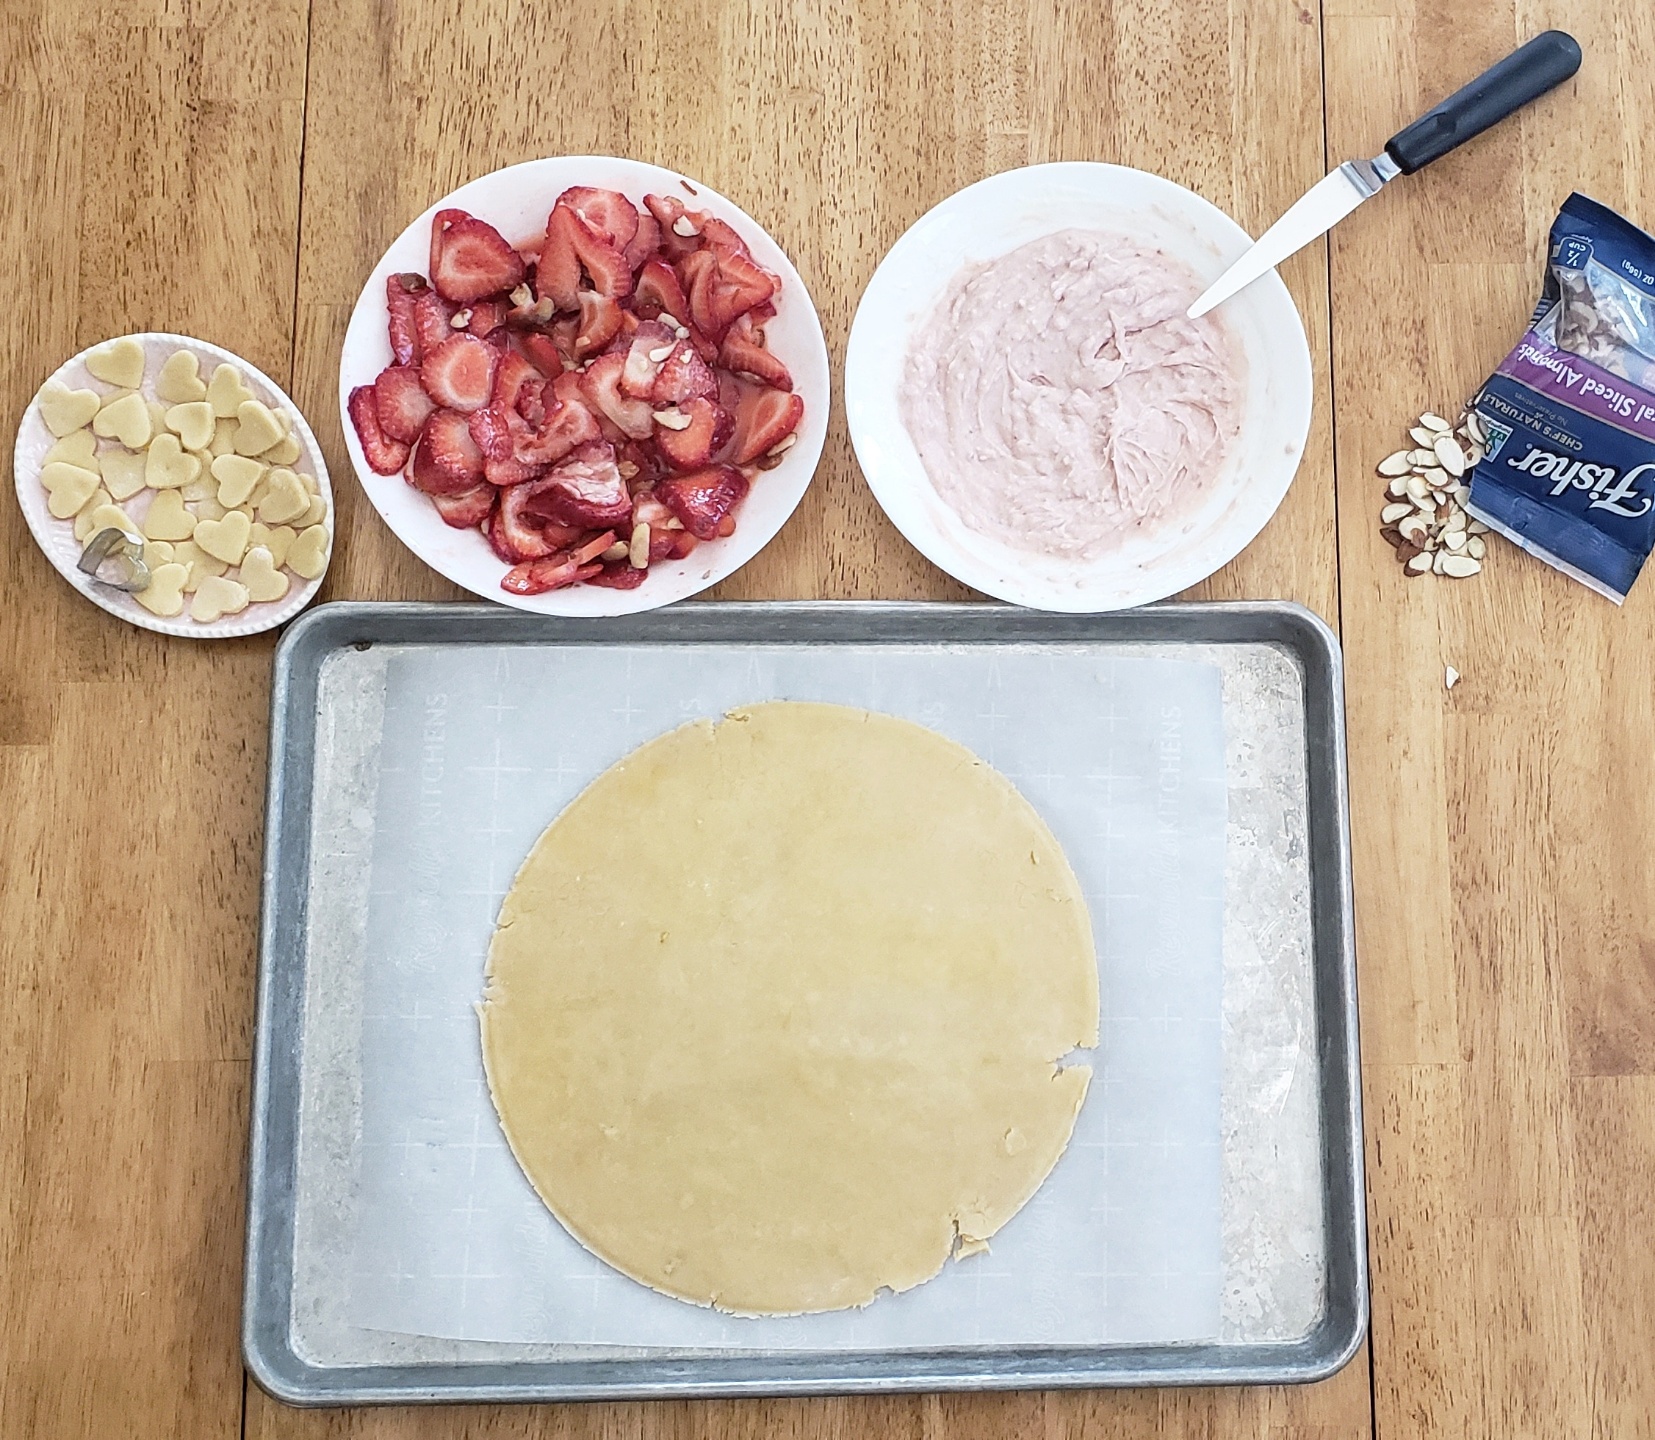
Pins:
x: 115, y: 558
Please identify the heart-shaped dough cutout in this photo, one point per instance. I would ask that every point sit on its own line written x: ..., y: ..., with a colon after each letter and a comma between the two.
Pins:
x: 159, y: 552
x: 203, y: 487
x: 236, y: 476
x: 120, y: 362
x: 123, y: 473
x: 257, y: 428
x: 157, y: 417
x: 64, y: 409
x: 285, y: 498
x: 225, y: 539
x: 168, y: 519
x: 308, y: 555
x: 168, y: 467
x: 164, y: 595
x: 179, y: 382
x: 261, y: 577
x: 208, y: 508
x: 284, y: 452
x: 126, y: 419
x: 105, y: 517
x: 217, y: 596
x: 193, y: 424
x: 227, y: 392
x: 317, y: 513
x: 83, y: 521
x: 78, y: 447
x: 277, y: 539
x: 224, y: 438
x: 202, y: 566
x: 68, y: 487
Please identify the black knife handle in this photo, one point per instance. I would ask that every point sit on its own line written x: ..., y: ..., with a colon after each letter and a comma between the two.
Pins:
x: 1504, y: 88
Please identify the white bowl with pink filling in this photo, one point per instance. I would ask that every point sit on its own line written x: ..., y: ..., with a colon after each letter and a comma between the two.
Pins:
x: 1034, y: 412
x: 529, y: 415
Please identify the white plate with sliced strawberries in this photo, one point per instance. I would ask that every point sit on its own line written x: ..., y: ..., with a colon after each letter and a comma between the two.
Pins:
x: 584, y: 386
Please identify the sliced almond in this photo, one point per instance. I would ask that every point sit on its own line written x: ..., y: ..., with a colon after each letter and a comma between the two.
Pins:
x: 1396, y: 464
x: 1438, y: 560
x: 1417, y: 487
x: 1419, y: 564
x: 684, y: 226
x: 1454, y: 539
x: 672, y: 419
x: 1413, y: 527
x: 1435, y: 422
x: 1474, y: 428
x: 1450, y: 455
x: 1419, y: 458
x: 1476, y: 547
x: 1392, y: 513
x: 1398, y: 486
x: 1422, y: 437
x: 1476, y: 527
x: 660, y: 353
x: 1460, y: 566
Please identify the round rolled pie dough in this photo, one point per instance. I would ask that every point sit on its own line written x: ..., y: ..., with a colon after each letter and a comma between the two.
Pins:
x: 775, y: 1008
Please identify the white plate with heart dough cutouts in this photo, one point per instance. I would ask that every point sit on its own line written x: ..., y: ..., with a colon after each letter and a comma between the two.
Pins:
x: 516, y: 201
x: 56, y: 537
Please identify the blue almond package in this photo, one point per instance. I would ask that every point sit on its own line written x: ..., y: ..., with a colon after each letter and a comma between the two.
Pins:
x: 1569, y: 416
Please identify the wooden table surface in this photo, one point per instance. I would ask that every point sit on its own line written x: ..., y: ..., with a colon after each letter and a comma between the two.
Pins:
x: 234, y: 171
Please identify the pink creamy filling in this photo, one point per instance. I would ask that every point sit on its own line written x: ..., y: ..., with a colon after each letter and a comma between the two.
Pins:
x: 1062, y: 403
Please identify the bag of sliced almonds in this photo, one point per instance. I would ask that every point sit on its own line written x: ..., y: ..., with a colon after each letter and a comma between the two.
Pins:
x: 1569, y: 416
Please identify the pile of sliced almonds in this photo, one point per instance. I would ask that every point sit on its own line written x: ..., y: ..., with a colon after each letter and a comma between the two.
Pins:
x: 1424, y: 517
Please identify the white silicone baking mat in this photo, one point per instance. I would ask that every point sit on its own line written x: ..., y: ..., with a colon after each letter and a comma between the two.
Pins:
x: 480, y: 747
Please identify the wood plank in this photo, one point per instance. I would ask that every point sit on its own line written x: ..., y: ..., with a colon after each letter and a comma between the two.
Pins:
x: 1499, y: 921
x: 153, y: 155
x: 836, y: 128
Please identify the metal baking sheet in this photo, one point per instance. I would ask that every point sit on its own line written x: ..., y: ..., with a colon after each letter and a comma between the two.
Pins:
x: 1294, y: 1299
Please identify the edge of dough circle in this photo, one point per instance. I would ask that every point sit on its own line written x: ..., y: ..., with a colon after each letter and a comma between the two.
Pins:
x: 775, y: 1008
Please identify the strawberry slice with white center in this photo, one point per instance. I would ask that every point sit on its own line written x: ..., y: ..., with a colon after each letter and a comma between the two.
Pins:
x: 600, y: 322
x: 401, y: 293
x: 684, y: 376
x: 744, y: 351
x: 385, y: 456
x: 650, y: 340
x: 724, y: 283
x: 705, y: 501
x: 659, y: 293
x: 431, y: 316
x: 468, y: 509
x: 459, y: 373
x: 519, y: 535
x: 510, y: 376
x: 764, y: 418
x: 585, y: 488
x: 486, y: 317
x: 602, y: 384
x: 571, y: 248
x: 470, y: 259
x: 402, y: 402
x: 607, y: 214
x: 446, y: 460
x: 692, y: 446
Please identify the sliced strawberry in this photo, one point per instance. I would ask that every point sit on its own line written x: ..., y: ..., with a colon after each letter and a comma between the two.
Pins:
x: 401, y: 293
x: 470, y: 258
x: 618, y: 575
x: 764, y: 418
x: 648, y: 510
x: 555, y: 572
x: 659, y: 293
x: 510, y: 376
x: 518, y: 534
x: 602, y: 384
x: 622, y: 339
x: 693, y: 446
x: 446, y: 460
x: 491, y: 432
x: 562, y: 333
x: 606, y: 214
x: 487, y: 316
x: 542, y: 352
x: 585, y: 488
x: 705, y: 500
x: 570, y: 248
x: 724, y: 283
x: 533, y: 315
x: 684, y: 376
x: 509, y: 471
x: 467, y: 509
x: 402, y: 402
x: 640, y: 464
x: 431, y: 316
x: 532, y: 399
x: 743, y: 350
x: 565, y: 423
x: 384, y: 455
x: 600, y: 322
x: 668, y: 210
x: 639, y: 372
x: 644, y: 244
x: 675, y: 545
x: 459, y: 373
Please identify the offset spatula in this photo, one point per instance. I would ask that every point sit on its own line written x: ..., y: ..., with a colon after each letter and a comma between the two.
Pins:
x: 1524, y: 75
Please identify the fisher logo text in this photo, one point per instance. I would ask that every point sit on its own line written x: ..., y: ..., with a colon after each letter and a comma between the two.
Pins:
x: 1617, y: 496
